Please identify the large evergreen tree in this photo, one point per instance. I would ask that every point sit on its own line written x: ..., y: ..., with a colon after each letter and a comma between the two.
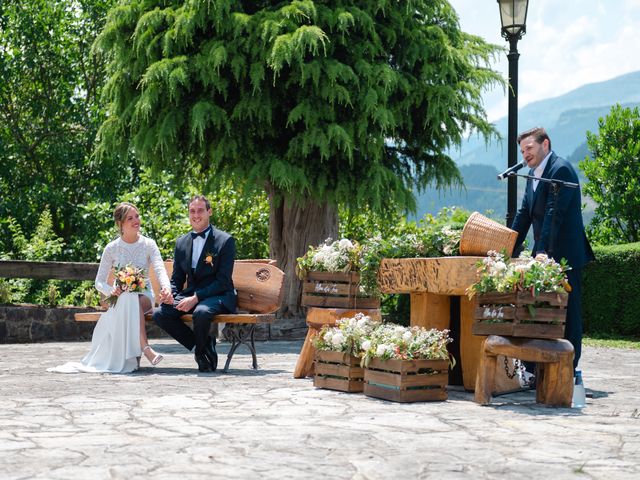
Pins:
x: 319, y: 102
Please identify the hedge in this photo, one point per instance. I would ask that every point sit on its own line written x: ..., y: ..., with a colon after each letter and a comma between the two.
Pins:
x: 611, y: 291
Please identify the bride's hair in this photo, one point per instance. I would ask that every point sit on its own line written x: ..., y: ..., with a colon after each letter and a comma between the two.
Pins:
x: 120, y: 213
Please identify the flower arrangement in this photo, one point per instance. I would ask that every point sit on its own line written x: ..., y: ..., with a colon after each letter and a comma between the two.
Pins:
x: 347, y: 336
x: 497, y: 273
x: 390, y: 341
x: 360, y: 336
x: 338, y: 256
x: 128, y: 279
x: 208, y: 258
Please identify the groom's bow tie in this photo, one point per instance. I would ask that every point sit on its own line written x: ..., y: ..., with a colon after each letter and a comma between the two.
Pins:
x: 202, y: 234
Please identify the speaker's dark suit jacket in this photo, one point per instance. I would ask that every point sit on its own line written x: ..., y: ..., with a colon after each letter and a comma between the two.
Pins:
x: 558, y: 230
x: 208, y: 279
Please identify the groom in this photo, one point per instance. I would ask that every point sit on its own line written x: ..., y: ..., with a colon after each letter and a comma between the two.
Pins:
x: 201, y: 284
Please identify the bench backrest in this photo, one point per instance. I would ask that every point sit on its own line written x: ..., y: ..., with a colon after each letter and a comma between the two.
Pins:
x: 259, y: 285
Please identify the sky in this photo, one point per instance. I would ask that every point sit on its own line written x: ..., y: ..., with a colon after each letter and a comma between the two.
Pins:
x: 568, y: 43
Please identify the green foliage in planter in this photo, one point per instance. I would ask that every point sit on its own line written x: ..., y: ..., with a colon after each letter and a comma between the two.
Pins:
x: 610, y: 301
x: 433, y: 236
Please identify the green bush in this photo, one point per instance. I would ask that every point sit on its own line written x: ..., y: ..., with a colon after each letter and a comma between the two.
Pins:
x: 610, y: 301
x: 42, y: 245
x: 614, y: 183
x: 164, y: 213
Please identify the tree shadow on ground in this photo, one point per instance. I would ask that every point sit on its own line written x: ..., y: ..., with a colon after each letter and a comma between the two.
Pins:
x: 193, y: 371
x: 267, y: 347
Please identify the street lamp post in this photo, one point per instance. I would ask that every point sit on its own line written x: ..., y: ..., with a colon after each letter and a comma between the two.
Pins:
x: 513, y: 15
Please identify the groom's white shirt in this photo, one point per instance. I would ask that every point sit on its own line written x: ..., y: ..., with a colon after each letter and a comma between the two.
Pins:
x: 196, y: 249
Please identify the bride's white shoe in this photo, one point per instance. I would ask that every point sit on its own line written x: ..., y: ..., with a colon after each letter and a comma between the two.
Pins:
x: 155, y: 359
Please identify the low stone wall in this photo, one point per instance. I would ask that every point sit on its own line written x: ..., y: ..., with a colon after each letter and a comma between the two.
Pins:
x: 23, y: 323
x: 26, y: 323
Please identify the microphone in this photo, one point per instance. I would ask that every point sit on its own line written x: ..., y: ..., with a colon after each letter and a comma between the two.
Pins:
x: 511, y: 170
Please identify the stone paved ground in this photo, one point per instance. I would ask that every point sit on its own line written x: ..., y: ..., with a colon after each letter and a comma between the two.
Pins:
x: 170, y: 422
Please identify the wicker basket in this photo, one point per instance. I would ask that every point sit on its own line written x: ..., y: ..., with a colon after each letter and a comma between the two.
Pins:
x: 481, y: 234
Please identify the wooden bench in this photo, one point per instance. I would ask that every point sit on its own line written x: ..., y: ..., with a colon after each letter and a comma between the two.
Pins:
x: 554, y: 376
x: 259, y: 286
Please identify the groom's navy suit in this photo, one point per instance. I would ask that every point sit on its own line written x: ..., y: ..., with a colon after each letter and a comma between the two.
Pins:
x: 558, y: 230
x: 210, y: 281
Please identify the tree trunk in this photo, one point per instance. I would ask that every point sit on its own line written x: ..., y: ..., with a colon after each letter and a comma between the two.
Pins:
x: 293, y: 226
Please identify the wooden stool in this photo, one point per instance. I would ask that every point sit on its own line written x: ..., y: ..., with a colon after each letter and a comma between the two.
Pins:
x: 318, y: 317
x: 554, y: 376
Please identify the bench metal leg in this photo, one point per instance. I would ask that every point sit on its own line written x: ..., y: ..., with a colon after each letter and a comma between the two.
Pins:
x: 240, y: 334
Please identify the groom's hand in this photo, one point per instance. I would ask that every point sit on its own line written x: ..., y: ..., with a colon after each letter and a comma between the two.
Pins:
x: 187, y: 303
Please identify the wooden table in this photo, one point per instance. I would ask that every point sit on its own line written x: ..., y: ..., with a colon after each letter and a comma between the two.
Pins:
x: 431, y: 283
x: 317, y: 317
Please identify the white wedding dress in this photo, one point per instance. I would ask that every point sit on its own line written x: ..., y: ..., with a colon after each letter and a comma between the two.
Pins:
x: 115, y: 344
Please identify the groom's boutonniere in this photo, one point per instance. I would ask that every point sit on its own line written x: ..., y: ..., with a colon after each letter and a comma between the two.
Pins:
x: 208, y: 258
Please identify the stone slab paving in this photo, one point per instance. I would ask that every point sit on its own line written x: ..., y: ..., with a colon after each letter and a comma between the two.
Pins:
x: 170, y: 422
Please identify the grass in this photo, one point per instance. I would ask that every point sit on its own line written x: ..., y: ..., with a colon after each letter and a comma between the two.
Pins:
x: 608, y: 341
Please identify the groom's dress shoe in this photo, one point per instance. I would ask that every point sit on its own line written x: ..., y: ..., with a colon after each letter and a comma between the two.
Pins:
x: 211, y: 354
x: 203, y: 362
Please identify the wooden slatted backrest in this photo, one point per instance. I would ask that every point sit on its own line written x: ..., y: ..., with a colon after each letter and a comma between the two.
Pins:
x: 259, y: 285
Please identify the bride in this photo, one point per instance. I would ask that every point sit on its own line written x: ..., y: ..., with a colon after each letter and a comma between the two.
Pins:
x: 120, y: 336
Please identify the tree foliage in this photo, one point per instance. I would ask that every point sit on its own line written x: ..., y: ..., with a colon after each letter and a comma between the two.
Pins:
x: 163, y: 206
x: 337, y: 101
x: 613, y: 180
x: 49, y: 113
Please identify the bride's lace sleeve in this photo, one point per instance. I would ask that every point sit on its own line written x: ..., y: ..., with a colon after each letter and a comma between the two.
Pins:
x: 158, y: 265
x: 106, y: 263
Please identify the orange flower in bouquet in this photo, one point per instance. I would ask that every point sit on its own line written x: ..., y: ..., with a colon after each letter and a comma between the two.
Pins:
x: 127, y: 279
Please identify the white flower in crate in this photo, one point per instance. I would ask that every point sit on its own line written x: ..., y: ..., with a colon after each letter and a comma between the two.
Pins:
x: 345, y: 244
x: 347, y: 336
x: 337, y: 339
x: 362, y: 321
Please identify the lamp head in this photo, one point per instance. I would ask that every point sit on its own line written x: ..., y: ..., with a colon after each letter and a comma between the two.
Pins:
x: 513, y: 15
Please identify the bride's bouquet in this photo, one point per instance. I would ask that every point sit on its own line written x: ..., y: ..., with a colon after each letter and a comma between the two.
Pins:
x: 127, y: 279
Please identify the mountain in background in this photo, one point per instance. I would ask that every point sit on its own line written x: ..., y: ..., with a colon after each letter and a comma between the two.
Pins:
x: 566, y: 118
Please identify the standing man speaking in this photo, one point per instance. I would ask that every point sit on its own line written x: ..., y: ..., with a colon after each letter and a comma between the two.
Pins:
x: 201, y: 284
x: 558, y: 229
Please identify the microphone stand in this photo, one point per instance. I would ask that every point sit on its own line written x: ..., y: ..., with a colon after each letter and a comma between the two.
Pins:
x: 556, y: 185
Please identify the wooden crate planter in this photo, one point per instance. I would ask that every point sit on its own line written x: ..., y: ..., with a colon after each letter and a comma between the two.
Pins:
x: 407, y: 380
x: 338, y: 371
x: 521, y: 314
x: 335, y: 290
